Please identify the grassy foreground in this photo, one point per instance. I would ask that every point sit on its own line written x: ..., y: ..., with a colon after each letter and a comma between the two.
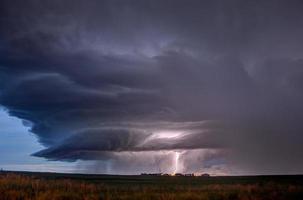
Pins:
x: 52, y: 186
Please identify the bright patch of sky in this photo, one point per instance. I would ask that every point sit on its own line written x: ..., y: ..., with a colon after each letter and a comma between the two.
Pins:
x: 17, y: 144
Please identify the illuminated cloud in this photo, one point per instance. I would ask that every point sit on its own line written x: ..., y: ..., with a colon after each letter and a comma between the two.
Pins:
x: 124, y: 81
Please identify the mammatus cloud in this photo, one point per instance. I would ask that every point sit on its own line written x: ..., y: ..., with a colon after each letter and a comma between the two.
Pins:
x: 220, y: 82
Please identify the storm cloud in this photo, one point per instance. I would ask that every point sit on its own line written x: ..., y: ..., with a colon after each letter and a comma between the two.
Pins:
x: 221, y: 82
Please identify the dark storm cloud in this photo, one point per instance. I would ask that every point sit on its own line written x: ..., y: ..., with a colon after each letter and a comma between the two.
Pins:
x: 105, y: 140
x: 101, y: 79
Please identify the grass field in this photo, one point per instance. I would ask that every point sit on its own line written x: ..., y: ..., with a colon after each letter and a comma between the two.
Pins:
x: 51, y: 186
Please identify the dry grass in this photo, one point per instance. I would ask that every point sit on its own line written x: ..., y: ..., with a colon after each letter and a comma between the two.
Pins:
x: 29, y: 187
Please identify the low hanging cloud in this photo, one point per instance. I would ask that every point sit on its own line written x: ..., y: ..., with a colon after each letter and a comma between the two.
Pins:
x: 89, y: 142
x: 118, y: 81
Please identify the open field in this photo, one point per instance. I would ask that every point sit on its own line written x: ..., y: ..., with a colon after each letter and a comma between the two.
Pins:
x: 51, y: 186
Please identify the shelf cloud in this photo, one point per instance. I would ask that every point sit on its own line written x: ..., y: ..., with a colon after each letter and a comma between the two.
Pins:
x: 114, y: 80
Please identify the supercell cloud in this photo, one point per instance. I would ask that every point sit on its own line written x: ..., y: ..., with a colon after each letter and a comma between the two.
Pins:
x: 129, y: 83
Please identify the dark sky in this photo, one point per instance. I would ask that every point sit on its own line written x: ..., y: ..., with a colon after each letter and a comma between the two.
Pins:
x: 136, y: 83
